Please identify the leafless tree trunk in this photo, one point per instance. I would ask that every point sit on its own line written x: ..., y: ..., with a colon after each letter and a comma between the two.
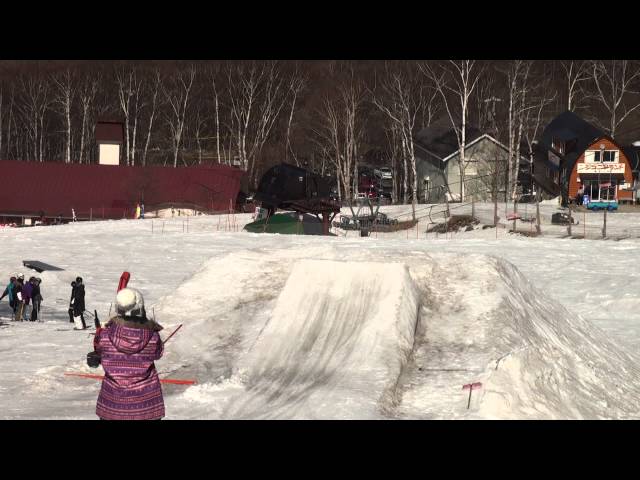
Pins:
x: 576, y: 73
x: 199, y: 124
x: 401, y: 99
x: 393, y: 140
x: 125, y: 91
x: 66, y: 90
x: 177, y: 96
x: 34, y: 104
x: 157, y: 81
x: 10, y: 122
x: 257, y: 94
x: 296, y: 86
x: 216, y: 104
x: 542, y: 96
x: 458, y: 78
x: 616, y: 89
x: 88, y: 90
x: 340, y: 130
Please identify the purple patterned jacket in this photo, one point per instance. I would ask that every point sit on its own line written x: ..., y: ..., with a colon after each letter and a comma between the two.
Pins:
x: 131, y: 388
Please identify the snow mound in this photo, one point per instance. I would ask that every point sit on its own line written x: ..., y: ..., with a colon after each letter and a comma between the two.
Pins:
x: 335, y: 345
x: 558, y: 366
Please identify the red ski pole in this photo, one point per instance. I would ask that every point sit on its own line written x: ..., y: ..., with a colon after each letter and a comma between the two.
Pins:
x: 172, y: 334
x: 174, y: 381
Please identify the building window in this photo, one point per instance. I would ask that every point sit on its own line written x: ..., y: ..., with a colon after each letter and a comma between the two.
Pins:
x: 601, y: 191
x: 558, y: 145
x: 609, y: 156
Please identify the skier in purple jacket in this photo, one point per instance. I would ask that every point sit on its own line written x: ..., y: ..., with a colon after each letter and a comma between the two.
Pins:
x: 27, y: 290
x: 127, y: 348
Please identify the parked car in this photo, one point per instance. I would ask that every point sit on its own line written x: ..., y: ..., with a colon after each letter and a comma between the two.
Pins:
x: 560, y: 218
x: 383, y: 172
x: 527, y: 198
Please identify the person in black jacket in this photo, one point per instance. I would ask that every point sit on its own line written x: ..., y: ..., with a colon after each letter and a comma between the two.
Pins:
x: 73, y: 291
x: 19, y: 300
x: 36, y: 298
x: 77, y: 301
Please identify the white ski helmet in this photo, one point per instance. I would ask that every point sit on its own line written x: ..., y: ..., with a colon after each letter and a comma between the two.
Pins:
x: 130, y: 302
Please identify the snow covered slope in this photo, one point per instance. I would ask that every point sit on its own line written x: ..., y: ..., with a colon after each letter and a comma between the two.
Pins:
x: 528, y: 334
x: 486, y: 323
x: 338, y: 338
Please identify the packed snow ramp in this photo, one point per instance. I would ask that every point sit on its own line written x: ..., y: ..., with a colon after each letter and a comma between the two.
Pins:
x: 335, y: 345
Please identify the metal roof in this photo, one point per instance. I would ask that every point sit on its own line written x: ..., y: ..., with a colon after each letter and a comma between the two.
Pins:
x: 569, y: 126
x: 440, y: 138
x: 111, y: 132
x: 111, y: 191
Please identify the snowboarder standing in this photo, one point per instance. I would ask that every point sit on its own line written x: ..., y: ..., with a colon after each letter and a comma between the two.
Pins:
x: 8, y: 291
x: 127, y: 347
x: 27, y: 293
x: 36, y: 299
x: 77, y: 302
x: 73, y: 291
x: 19, y: 301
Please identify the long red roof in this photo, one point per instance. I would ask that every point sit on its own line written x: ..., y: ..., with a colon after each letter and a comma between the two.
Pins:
x: 111, y: 191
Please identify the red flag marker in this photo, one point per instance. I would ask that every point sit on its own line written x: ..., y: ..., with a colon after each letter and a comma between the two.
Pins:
x: 124, y: 280
x: 471, y: 387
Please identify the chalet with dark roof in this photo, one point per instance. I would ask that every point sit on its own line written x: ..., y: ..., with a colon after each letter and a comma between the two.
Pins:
x: 588, y: 161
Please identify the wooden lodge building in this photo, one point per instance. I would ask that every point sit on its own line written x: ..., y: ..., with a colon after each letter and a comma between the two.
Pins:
x: 589, y: 162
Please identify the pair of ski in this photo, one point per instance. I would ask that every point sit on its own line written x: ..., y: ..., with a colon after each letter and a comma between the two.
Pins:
x: 124, y: 281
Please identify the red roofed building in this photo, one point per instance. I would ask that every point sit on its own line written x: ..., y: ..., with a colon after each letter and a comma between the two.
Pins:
x: 31, y: 189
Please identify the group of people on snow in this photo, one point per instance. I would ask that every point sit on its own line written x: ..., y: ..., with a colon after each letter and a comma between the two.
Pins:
x: 126, y: 347
x: 25, y: 298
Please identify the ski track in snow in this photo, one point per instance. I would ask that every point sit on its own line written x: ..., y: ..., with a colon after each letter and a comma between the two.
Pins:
x: 533, y: 334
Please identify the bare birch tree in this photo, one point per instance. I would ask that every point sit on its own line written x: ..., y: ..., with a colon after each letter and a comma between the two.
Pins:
x: 340, y: 129
x: 257, y: 94
x: 617, y: 90
x: 33, y: 106
x: 297, y: 85
x: 65, y: 84
x: 153, y: 87
x: 177, y: 96
x: 87, y: 93
x: 517, y: 76
x: 213, y: 75
x: 456, y: 78
x: 400, y: 98
x: 126, y: 80
x: 576, y: 74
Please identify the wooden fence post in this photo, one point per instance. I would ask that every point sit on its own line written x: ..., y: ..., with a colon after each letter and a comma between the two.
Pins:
x: 570, y: 220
